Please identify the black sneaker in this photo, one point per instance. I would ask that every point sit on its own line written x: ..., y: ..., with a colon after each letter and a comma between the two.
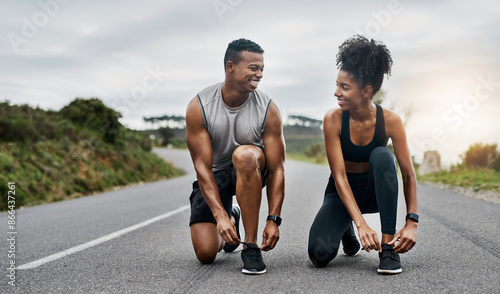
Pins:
x: 350, y: 242
x: 252, y: 260
x: 235, y: 211
x: 389, y: 261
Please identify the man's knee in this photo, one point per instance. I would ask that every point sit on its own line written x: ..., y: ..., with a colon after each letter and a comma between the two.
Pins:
x: 206, y: 254
x: 248, y: 158
x: 206, y: 241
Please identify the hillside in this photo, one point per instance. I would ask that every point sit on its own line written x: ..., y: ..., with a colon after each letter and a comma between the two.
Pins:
x: 79, y: 150
x: 299, y: 138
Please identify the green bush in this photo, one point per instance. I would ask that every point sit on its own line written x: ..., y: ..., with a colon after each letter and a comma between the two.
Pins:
x: 480, y: 155
x: 24, y: 124
x: 316, y: 152
x: 94, y: 115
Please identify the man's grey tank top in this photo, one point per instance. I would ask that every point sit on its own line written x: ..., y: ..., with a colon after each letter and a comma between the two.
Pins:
x: 231, y: 127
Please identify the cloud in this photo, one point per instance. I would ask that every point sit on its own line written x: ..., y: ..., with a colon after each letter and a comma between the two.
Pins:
x: 103, y: 49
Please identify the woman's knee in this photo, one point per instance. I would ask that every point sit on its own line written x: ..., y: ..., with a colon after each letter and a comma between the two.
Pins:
x: 384, y: 172
x: 320, y: 257
x: 321, y: 252
x: 381, y: 157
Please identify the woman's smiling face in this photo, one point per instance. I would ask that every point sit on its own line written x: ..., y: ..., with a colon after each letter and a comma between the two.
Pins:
x: 348, y: 92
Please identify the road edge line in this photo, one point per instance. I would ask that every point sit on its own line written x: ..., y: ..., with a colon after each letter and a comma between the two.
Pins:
x: 100, y: 240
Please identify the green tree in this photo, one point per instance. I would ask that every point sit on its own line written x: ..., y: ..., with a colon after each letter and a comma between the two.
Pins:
x: 166, y: 134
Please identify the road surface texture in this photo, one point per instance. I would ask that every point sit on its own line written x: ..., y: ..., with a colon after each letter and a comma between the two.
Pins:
x: 136, y: 240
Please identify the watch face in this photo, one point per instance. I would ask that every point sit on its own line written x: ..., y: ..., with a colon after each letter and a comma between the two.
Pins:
x: 275, y: 218
x: 412, y: 216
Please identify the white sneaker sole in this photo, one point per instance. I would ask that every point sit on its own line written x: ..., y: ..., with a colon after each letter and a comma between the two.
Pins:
x: 355, y: 254
x: 390, y: 272
x: 248, y: 272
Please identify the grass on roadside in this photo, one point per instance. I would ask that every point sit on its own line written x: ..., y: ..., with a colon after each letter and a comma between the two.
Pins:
x: 320, y: 159
x: 477, y: 179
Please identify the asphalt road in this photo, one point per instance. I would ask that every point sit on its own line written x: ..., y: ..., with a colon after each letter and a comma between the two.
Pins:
x: 136, y: 240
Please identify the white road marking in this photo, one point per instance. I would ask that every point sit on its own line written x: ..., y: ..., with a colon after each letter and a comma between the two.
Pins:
x: 98, y: 241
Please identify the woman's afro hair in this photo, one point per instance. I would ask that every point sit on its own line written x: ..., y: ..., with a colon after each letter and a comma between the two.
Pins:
x: 367, y: 61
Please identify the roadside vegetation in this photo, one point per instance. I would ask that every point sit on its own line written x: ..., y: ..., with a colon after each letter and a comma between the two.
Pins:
x: 479, y: 170
x: 78, y: 150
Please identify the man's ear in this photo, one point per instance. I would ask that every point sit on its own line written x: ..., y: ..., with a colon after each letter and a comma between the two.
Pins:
x: 229, y: 66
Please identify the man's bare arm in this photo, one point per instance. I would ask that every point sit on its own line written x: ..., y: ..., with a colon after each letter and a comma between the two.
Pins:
x: 274, y: 146
x: 198, y: 141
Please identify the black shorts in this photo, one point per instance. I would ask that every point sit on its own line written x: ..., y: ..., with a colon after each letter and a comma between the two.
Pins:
x: 226, y: 181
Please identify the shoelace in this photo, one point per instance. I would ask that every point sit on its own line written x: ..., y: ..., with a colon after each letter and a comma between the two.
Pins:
x: 389, y: 253
x: 254, y: 253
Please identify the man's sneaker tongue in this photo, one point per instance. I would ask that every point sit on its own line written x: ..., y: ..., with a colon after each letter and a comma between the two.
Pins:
x: 250, y: 245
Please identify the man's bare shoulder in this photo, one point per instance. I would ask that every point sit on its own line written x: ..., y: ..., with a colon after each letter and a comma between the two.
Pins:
x: 274, y: 121
x: 193, y: 106
x: 194, y: 116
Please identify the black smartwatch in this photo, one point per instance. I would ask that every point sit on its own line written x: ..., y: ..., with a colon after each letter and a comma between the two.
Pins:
x: 412, y: 216
x: 275, y: 218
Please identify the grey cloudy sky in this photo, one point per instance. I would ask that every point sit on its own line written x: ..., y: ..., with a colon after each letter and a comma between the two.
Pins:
x: 149, y: 58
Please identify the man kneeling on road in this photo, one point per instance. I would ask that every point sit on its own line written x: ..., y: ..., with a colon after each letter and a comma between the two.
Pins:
x: 234, y: 134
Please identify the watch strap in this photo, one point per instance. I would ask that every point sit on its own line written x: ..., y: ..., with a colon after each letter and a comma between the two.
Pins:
x: 412, y: 216
x: 275, y: 218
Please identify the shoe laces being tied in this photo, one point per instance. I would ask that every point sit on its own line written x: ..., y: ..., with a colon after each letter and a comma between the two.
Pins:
x: 390, y: 253
x: 253, y: 251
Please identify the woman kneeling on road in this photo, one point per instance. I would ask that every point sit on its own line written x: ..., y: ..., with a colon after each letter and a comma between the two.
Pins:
x: 363, y: 174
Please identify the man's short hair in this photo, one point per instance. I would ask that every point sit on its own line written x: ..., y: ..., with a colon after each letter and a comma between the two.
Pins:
x: 236, y: 47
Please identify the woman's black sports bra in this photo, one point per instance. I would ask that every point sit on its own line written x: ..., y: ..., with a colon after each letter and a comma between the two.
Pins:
x: 357, y: 153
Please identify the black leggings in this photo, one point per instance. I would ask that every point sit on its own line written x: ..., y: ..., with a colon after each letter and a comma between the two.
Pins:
x: 374, y: 191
